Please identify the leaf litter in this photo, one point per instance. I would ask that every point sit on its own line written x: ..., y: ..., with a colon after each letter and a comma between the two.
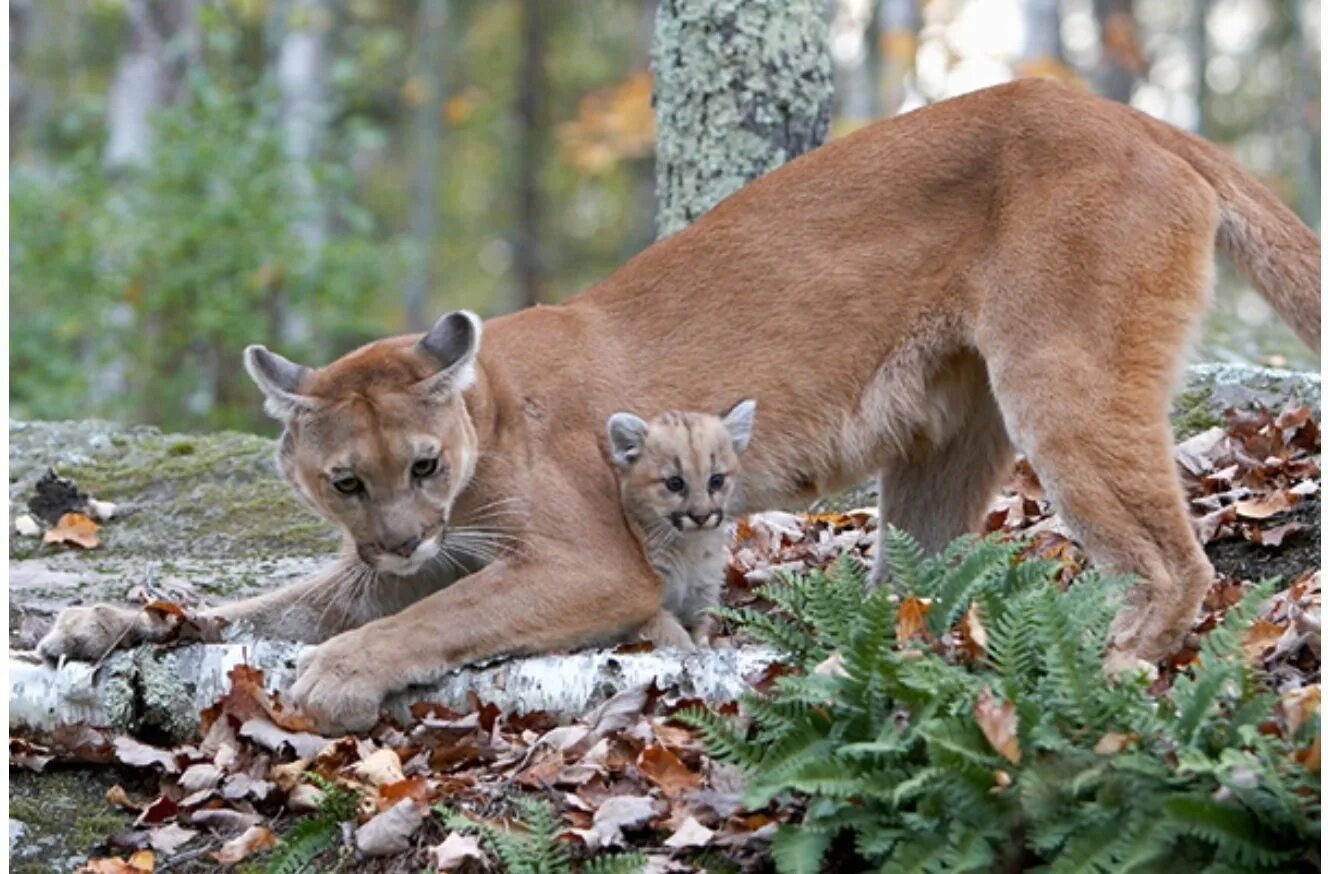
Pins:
x: 624, y: 776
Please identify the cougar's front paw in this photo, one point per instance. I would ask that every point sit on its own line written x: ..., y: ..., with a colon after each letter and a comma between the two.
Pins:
x: 341, y: 684
x: 88, y: 633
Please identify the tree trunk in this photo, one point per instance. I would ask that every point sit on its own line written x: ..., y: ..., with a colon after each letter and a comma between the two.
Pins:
x: 1199, y: 51
x: 855, y: 76
x: 897, y: 26
x: 1122, y: 61
x: 163, y: 39
x: 1043, y: 54
x: 428, y: 137
x: 531, y: 148
x: 741, y: 86
x: 301, y: 78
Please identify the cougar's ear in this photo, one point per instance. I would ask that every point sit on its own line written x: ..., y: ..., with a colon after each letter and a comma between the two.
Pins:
x: 453, y: 341
x: 738, y: 421
x: 279, y: 378
x: 626, y: 433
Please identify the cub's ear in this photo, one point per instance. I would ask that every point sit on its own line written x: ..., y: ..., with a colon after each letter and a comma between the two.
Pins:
x: 626, y: 434
x: 453, y: 341
x: 738, y: 421
x: 279, y: 378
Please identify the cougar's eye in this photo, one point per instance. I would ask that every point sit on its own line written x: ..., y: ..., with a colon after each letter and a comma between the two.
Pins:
x: 424, y: 468
x: 716, y: 482
x: 348, y: 485
x: 675, y: 484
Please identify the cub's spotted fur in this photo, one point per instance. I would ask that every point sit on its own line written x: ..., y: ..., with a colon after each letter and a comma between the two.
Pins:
x: 676, y: 475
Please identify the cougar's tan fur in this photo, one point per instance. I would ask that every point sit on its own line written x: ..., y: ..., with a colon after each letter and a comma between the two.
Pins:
x: 1018, y: 266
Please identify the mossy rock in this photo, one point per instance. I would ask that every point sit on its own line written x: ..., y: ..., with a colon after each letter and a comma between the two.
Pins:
x: 216, y: 496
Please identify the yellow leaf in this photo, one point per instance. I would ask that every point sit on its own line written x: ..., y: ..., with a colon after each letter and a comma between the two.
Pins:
x: 74, y: 528
x: 912, y: 621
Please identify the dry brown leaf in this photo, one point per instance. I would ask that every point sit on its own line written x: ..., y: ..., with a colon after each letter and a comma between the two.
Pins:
x: 660, y: 766
x: 380, y: 768
x: 139, y: 755
x: 117, y: 797
x: 74, y: 528
x: 690, y: 834
x: 1265, y: 506
x: 271, y: 736
x: 1261, y: 635
x: 1300, y: 705
x: 972, y: 634
x: 142, y: 862
x: 912, y: 621
x: 414, y: 788
x: 999, y: 723
x: 1113, y: 742
x: 250, y: 841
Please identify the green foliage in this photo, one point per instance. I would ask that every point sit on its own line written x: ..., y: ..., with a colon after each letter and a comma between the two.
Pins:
x: 534, y: 846
x: 314, y: 835
x: 884, y: 746
x: 134, y: 296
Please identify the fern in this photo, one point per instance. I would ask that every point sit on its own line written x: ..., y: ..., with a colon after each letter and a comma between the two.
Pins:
x: 887, y: 750
x: 315, y: 835
x: 534, y: 847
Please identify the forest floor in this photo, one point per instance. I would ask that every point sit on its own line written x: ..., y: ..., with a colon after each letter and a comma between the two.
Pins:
x: 257, y: 789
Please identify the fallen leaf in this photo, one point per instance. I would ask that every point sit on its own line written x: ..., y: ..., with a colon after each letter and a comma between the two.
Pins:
x: 912, y: 621
x: 622, y: 812
x: 269, y: 735
x: 999, y: 723
x: 142, y: 862
x: 455, y: 850
x: 250, y: 841
x: 1274, y: 536
x: 1113, y: 742
x: 169, y: 838
x: 390, y: 832
x: 661, y: 767
x: 972, y: 634
x: 690, y: 834
x: 74, y: 528
x: 1300, y: 705
x: 223, y: 820
x: 414, y: 788
x: 117, y: 797
x: 28, y: 755
x: 1265, y: 506
x: 140, y: 755
x: 1261, y: 635
x: 380, y: 767
x: 203, y: 775
x: 160, y: 810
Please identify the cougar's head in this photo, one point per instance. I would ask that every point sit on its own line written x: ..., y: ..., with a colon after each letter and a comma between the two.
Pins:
x: 678, y: 471
x: 379, y: 442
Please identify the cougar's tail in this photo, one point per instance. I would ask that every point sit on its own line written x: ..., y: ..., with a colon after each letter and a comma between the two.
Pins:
x: 1268, y: 243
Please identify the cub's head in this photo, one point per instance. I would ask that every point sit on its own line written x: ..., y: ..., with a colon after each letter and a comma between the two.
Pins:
x: 379, y: 442
x: 677, y: 472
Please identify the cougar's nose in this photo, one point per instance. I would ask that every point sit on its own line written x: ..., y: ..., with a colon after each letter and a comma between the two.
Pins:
x: 406, y: 548
x: 700, y: 520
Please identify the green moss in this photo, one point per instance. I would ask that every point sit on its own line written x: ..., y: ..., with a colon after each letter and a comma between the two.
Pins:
x: 211, y: 496
x: 1192, y: 412
x: 66, y: 817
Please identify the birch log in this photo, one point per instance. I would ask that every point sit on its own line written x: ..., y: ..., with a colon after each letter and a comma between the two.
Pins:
x: 163, y: 690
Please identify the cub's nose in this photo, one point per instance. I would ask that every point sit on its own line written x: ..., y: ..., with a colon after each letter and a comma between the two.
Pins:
x: 406, y: 548
x: 702, y: 520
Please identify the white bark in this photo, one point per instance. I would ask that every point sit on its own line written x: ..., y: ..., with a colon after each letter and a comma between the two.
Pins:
x: 166, y: 688
x: 301, y: 78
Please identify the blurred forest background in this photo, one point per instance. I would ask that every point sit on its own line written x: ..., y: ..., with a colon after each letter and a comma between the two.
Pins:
x: 190, y: 176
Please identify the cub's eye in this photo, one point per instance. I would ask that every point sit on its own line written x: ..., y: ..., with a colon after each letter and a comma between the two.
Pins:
x: 348, y: 485
x: 716, y: 482
x: 425, y: 467
x: 675, y: 484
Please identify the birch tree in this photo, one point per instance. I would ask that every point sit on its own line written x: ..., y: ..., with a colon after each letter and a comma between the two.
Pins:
x: 741, y: 86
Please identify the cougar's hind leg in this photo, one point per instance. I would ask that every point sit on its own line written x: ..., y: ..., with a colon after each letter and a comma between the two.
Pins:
x: 938, y: 491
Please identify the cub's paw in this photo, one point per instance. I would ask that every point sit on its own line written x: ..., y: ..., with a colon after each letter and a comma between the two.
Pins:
x: 340, y: 686
x: 88, y: 633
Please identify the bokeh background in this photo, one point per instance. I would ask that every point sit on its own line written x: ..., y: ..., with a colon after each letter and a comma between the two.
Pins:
x: 190, y: 176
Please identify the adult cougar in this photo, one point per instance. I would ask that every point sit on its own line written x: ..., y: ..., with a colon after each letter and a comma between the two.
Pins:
x: 1017, y: 266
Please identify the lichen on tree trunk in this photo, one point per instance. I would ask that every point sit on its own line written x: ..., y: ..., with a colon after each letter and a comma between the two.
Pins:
x: 741, y: 86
